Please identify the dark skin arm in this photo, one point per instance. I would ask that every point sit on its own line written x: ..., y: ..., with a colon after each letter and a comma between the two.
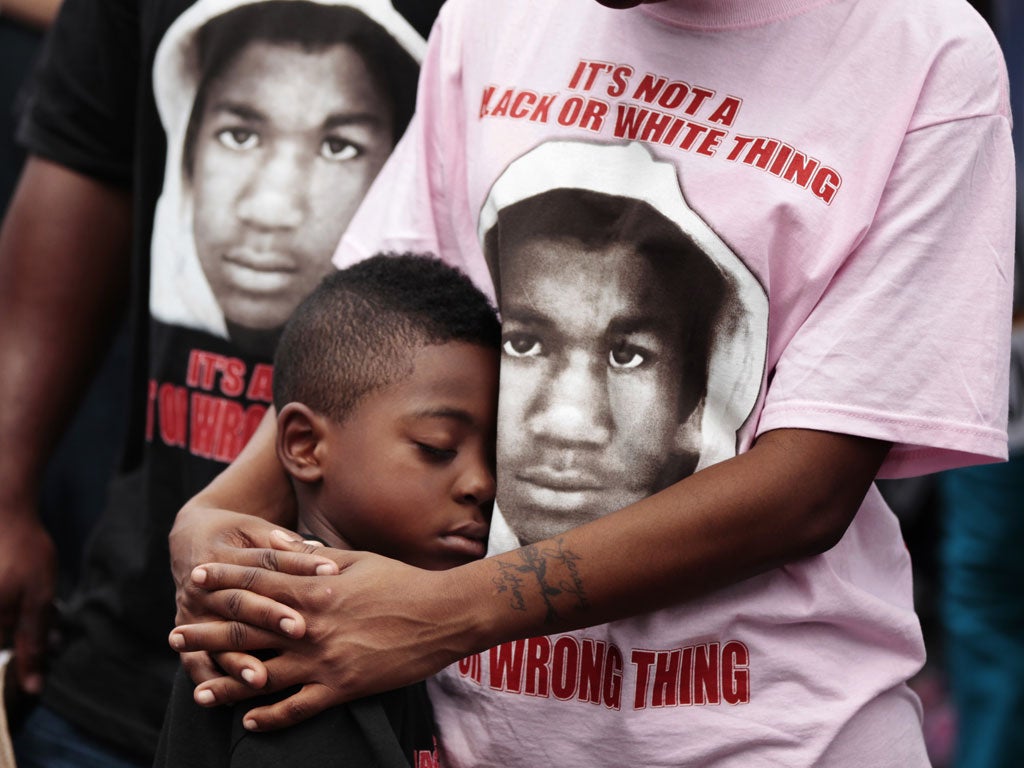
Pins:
x: 34, y: 13
x: 64, y: 266
x: 380, y: 624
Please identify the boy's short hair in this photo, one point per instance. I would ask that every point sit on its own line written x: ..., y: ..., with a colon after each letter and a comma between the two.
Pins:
x: 313, y: 26
x: 357, y: 331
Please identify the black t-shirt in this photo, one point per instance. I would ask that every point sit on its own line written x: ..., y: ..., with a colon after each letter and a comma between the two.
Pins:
x: 389, y: 730
x: 198, y: 391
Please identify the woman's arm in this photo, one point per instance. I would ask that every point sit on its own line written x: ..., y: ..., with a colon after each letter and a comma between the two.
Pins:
x: 379, y: 624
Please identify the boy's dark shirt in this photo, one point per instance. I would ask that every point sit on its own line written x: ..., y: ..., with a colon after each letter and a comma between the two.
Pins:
x: 390, y: 730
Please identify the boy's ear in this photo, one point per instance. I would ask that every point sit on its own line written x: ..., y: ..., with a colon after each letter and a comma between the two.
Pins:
x: 299, y: 434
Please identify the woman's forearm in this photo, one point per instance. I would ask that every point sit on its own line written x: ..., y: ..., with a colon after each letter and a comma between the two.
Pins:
x: 792, y: 496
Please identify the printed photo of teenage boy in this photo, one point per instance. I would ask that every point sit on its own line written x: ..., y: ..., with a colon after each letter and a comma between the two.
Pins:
x: 297, y: 105
x: 610, y: 313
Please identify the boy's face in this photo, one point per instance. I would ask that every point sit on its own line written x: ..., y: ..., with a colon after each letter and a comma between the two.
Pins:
x: 288, y: 143
x: 590, y: 418
x: 410, y: 473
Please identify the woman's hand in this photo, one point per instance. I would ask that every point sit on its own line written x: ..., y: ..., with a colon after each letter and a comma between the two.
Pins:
x: 201, y: 534
x: 376, y: 625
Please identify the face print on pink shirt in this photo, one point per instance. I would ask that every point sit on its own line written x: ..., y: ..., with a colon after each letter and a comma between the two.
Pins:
x: 610, y: 315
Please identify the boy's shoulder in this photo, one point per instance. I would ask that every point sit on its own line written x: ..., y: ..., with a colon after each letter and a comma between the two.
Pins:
x: 388, y: 730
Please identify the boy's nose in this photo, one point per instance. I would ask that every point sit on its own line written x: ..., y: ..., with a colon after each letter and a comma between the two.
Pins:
x: 476, y: 485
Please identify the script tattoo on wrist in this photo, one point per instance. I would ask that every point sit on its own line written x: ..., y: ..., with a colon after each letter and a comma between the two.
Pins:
x: 533, y: 566
x: 509, y: 580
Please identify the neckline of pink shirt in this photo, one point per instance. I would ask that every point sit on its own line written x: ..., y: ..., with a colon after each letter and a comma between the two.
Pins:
x: 726, y: 14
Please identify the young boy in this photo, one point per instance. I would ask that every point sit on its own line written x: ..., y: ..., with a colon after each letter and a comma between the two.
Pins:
x: 386, y: 390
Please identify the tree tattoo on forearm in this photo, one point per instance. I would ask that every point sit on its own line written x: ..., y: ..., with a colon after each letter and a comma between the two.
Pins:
x: 533, y: 568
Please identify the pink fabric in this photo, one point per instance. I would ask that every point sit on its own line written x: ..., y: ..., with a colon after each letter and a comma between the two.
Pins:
x: 853, y: 158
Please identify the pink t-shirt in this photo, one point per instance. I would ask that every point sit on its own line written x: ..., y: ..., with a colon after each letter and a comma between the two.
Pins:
x: 703, y: 221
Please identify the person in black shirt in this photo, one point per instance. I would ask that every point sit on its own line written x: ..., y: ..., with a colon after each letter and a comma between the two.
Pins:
x: 79, y: 252
x: 386, y: 391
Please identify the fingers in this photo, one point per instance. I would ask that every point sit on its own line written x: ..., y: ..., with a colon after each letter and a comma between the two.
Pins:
x: 207, y: 534
x: 276, y: 674
x: 294, y: 557
x: 280, y: 586
x: 199, y: 598
x: 311, y: 700
x: 222, y: 636
x: 29, y: 655
x: 243, y: 667
x: 252, y: 596
x: 224, y: 690
x: 28, y: 573
x: 255, y: 609
x: 200, y: 666
x: 204, y: 667
x: 30, y: 640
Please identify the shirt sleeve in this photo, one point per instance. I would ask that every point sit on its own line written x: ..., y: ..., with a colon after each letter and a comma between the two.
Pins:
x: 910, y: 343
x: 81, y: 109
x: 418, y: 201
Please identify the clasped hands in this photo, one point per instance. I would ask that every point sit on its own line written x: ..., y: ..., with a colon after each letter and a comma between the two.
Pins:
x: 342, y: 624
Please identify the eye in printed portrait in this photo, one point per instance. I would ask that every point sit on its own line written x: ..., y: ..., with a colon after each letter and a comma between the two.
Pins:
x: 296, y: 105
x: 611, y: 315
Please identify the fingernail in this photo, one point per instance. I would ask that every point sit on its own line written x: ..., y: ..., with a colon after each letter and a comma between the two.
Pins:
x: 249, y: 724
x: 284, y: 536
x: 248, y: 675
x: 199, y: 575
x: 34, y: 685
x: 326, y: 569
x: 204, y: 697
x: 313, y: 543
x: 287, y: 626
x: 177, y: 641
